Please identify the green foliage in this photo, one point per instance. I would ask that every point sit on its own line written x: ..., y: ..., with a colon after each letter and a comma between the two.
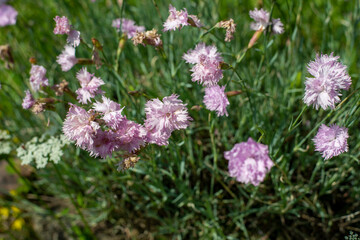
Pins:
x: 180, y: 191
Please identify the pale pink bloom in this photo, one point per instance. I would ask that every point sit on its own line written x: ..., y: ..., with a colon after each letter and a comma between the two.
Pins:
x: 207, y: 68
x: 130, y: 136
x: 163, y: 117
x: 67, y: 58
x: 261, y: 17
x: 62, y: 25
x: 215, y: 100
x: 111, y: 112
x: 249, y: 162
x: 7, y: 15
x: 38, y: 78
x: 176, y: 19
x: 79, y: 126
x: 127, y: 26
x: 28, y: 101
x: 329, y: 77
x: 73, y: 38
x: 277, y: 26
x: 89, y: 86
x: 331, y: 141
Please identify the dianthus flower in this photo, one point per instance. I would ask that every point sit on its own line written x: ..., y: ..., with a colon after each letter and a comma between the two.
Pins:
x: 38, y: 78
x: 147, y: 38
x: 215, y: 100
x: 89, y: 86
x: 63, y: 27
x: 130, y: 136
x: 261, y: 17
x: 28, y: 101
x: 67, y: 58
x: 331, y: 141
x: 207, y: 70
x: 249, y: 162
x: 127, y: 26
x: 178, y: 19
x: 104, y: 144
x: 111, y: 112
x: 79, y: 126
x: 163, y: 117
x: 7, y: 15
x: 329, y: 77
x: 277, y: 26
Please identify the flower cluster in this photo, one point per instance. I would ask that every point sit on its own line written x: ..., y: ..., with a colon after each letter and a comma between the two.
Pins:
x: 127, y: 26
x: 207, y: 71
x: 331, y: 141
x: 249, y: 162
x: 178, y: 19
x: 7, y: 14
x: 329, y: 77
x: 262, y: 21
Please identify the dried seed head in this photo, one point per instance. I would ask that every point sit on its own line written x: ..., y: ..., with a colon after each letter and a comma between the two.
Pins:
x: 230, y: 27
x: 147, y: 38
x: 127, y: 163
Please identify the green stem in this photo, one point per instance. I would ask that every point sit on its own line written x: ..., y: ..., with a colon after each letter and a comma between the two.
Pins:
x: 213, y: 146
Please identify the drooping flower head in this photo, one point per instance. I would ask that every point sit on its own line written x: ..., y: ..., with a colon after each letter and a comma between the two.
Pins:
x: 112, y: 112
x: 261, y: 18
x: 178, y: 19
x: 38, y: 78
x: 28, y: 101
x: 147, y: 38
x: 230, y: 27
x: 163, y: 117
x: 329, y: 77
x: 62, y: 25
x: 127, y: 26
x: 7, y: 15
x: 207, y: 70
x: 89, y: 86
x: 79, y: 126
x: 249, y: 162
x: 331, y: 141
x: 215, y: 100
x: 67, y: 58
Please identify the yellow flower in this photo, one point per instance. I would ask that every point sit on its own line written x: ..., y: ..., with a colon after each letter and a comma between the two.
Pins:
x: 18, y: 224
x: 4, y: 212
x: 15, y: 210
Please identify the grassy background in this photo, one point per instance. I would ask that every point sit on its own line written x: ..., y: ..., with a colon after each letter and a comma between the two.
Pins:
x: 183, y: 191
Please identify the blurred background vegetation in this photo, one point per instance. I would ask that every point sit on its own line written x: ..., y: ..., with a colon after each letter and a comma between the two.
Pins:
x: 179, y: 191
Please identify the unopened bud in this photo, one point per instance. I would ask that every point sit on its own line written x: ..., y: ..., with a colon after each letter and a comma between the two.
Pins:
x: 255, y: 37
x: 32, y: 60
x: 96, y: 44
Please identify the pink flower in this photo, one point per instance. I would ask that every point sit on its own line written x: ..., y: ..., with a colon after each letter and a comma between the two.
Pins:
x: 38, y: 78
x: 261, y: 17
x: 28, y: 101
x: 249, y: 162
x: 112, y: 112
x: 104, y: 144
x: 207, y: 70
x: 277, y: 26
x: 7, y: 15
x: 164, y: 117
x: 79, y: 126
x: 331, y: 141
x: 215, y: 100
x: 127, y: 26
x: 62, y: 25
x: 130, y: 136
x: 329, y: 77
x: 89, y: 86
x: 178, y: 19
x: 67, y: 58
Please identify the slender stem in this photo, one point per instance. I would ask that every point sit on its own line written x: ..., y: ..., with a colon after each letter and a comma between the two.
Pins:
x: 213, y: 146
x: 72, y: 199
